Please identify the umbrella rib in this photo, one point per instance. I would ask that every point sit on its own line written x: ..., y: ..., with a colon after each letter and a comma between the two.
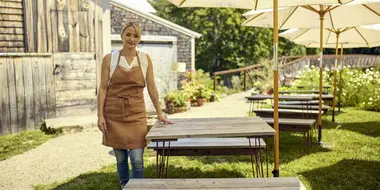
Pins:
x: 287, y: 18
x: 333, y: 7
x: 346, y: 29
x: 310, y: 8
x: 361, y: 35
x: 331, y: 20
x: 301, y: 34
x: 328, y: 36
x: 182, y: 2
x: 366, y: 6
x: 250, y: 19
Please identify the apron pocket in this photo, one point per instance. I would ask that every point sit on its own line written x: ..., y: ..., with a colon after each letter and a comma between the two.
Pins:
x: 134, y: 108
x: 113, y: 107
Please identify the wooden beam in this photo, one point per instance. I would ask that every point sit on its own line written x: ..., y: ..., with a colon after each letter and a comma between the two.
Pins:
x: 28, y: 26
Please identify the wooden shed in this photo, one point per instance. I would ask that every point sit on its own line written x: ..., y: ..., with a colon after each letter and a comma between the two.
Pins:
x: 50, y: 55
x: 165, y: 42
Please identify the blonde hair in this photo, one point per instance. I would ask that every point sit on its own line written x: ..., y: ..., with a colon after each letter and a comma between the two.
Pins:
x: 135, y: 26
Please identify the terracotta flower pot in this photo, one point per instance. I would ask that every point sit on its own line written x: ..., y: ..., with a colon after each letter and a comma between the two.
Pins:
x: 169, y: 107
x: 201, y: 101
x: 179, y: 109
x: 270, y: 91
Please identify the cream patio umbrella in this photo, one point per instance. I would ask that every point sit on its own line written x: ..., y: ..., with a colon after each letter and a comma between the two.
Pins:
x: 330, y: 16
x: 261, y: 4
x: 251, y: 4
x: 350, y: 37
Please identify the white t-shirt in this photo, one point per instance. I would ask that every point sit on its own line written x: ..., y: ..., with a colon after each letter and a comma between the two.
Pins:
x: 123, y: 62
x: 144, y: 67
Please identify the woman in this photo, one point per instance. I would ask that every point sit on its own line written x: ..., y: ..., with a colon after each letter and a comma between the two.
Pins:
x: 121, y: 108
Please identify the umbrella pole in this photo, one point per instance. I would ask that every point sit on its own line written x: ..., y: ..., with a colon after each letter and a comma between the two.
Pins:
x: 340, y: 78
x: 335, y: 68
x: 320, y: 77
x: 276, y: 171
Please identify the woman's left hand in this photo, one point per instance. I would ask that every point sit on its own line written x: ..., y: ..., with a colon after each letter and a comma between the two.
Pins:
x: 163, y: 118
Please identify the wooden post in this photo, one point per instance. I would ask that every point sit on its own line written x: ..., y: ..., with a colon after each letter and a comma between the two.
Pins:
x: 214, y: 82
x: 276, y: 171
x: 29, y: 26
x: 245, y: 80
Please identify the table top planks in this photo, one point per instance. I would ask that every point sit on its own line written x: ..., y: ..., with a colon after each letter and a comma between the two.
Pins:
x: 300, y: 92
x: 291, y: 121
x: 301, y: 86
x: 211, y: 128
x: 295, y: 111
x: 217, y: 183
x: 299, y: 97
x: 209, y: 143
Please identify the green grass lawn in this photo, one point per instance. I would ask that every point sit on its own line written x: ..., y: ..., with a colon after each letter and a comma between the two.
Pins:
x: 11, y: 145
x: 351, y: 159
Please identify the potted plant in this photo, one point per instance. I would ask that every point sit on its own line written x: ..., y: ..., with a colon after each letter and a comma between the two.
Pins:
x: 190, y: 91
x: 176, y: 102
x: 202, y: 95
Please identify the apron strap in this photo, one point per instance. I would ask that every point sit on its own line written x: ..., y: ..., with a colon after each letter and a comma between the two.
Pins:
x: 138, y: 60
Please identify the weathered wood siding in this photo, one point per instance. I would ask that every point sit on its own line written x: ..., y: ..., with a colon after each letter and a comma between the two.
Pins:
x: 11, y: 26
x: 75, y: 83
x: 36, y: 87
x: 60, y: 26
x: 27, y: 92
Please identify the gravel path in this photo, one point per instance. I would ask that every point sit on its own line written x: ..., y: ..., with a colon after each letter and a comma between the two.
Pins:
x: 73, y: 154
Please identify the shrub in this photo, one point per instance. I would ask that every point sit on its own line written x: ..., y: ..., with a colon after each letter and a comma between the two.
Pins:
x: 178, y: 98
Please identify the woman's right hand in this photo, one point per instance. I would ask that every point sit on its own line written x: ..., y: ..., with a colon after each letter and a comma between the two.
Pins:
x: 102, y: 124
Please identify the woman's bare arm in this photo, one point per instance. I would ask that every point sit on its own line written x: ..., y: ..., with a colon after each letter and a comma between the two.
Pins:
x: 104, y: 78
x: 153, y: 93
x: 152, y: 89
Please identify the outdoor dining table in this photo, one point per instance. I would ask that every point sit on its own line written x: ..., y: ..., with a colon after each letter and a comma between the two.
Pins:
x: 259, y: 99
x: 252, y: 128
x: 300, y: 92
x: 325, y: 87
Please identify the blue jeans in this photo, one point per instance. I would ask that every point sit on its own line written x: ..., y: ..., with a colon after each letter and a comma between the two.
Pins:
x: 137, y: 162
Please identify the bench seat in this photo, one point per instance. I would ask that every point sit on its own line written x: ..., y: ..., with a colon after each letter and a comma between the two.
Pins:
x: 290, y: 124
x: 209, y: 146
x: 287, y: 113
x: 289, y: 183
x: 325, y: 108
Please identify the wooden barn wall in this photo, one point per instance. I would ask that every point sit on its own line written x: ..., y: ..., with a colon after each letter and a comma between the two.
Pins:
x: 37, y: 87
x: 66, y: 26
x: 11, y: 26
x: 27, y: 92
x: 75, y: 83
x: 55, y: 73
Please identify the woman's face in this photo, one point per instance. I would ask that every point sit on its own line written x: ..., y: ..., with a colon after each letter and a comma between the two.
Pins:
x: 130, y: 37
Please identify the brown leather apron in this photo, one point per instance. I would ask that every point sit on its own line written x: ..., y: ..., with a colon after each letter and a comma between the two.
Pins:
x: 124, y: 109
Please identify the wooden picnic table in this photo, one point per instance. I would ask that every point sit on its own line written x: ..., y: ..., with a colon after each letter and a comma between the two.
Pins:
x: 299, y: 97
x: 325, y: 108
x: 218, y: 127
x: 291, y: 183
x: 285, y: 98
x: 305, y: 86
x: 300, y: 92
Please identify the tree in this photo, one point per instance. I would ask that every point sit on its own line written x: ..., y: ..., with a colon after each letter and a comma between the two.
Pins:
x: 225, y: 43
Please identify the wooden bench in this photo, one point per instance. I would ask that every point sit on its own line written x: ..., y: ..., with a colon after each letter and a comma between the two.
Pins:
x: 209, y: 146
x: 312, y: 102
x: 300, y: 92
x: 325, y: 108
x: 288, y: 113
x: 304, y: 126
x: 217, y: 183
x: 288, y: 124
